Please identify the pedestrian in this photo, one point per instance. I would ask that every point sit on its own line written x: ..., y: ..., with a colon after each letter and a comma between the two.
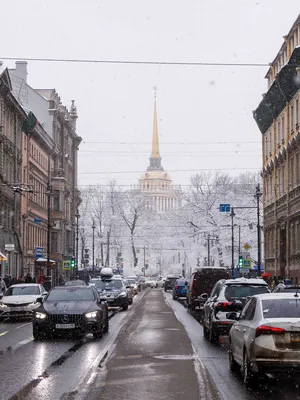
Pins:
x: 28, y: 278
x: 61, y: 280
x: 41, y: 279
x: 2, y: 287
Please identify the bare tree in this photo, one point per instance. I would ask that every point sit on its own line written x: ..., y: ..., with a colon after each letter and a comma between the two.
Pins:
x: 131, y: 207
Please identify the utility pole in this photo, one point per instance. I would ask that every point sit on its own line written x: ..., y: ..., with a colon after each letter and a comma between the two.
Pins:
x: 208, y: 250
x: 93, y: 246
x: 258, y: 195
x: 77, y: 216
x: 239, y: 240
x: 107, y: 255
x: 144, y: 261
x: 232, y: 214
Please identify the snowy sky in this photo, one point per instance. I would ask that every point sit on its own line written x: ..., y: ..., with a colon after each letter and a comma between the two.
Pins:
x: 199, y: 107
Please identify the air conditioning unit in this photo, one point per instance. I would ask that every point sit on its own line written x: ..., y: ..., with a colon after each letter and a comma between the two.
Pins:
x: 56, y: 225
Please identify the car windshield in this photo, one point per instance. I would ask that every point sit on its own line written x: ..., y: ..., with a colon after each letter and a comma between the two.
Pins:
x: 281, y: 308
x: 22, y: 291
x: 113, y: 284
x: 242, y: 291
x: 291, y: 289
x: 131, y: 281
x: 71, y: 294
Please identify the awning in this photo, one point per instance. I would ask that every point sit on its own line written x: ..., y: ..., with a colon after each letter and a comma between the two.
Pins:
x: 2, y: 257
x: 43, y: 260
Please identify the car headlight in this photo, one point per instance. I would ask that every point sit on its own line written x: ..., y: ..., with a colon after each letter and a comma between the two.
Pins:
x: 92, y: 314
x: 3, y: 305
x: 33, y: 303
x: 40, y: 315
x: 122, y: 294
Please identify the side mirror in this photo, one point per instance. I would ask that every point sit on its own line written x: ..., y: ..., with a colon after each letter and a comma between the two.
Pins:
x: 128, y: 287
x: 44, y: 293
x: 40, y: 300
x: 186, y: 283
x: 204, y: 296
x: 232, y: 315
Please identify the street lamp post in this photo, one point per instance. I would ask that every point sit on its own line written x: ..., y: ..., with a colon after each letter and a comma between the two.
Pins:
x: 77, y: 216
x: 258, y: 195
x: 232, y: 214
x: 93, y: 247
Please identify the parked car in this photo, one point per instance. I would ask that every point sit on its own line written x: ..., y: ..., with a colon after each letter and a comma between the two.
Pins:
x: 113, y: 291
x: 76, y: 282
x: 170, y: 281
x: 228, y: 296
x: 180, y: 288
x: 283, y: 288
x: 202, y: 281
x: 265, y: 337
x: 129, y: 290
x: 134, y: 285
x: 69, y: 310
x: 20, y: 300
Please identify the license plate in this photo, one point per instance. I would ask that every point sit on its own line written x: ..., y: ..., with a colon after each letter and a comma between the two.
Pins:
x: 295, y: 337
x: 65, y: 326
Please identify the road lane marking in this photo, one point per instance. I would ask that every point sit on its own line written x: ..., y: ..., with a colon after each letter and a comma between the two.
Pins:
x: 4, y: 333
x: 23, y: 342
x: 21, y: 326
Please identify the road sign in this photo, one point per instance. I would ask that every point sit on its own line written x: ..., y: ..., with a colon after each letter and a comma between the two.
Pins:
x: 66, y: 265
x: 247, y: 246
x: 39, y: 252
x: 37, y: 221
x: 246, y: 255
x: 225, y: 208
x: 9, y: 247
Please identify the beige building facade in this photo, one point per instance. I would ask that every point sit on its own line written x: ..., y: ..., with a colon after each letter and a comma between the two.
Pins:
x: 277, y: 117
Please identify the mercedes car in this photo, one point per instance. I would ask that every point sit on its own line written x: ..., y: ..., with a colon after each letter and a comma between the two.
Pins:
x: 70, y: 310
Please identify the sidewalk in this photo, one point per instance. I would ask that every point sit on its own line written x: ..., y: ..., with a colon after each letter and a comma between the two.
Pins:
x: 153, y: 358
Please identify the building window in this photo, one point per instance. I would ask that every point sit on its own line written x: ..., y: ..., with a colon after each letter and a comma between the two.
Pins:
x: 297, y: 112
x: 282, y: 128
x: 278, y: 131
x: 54, y: 236
x: 56, y: 205
x: 292, y: 116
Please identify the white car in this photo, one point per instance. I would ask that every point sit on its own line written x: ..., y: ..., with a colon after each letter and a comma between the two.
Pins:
x: 151, y: 283
x: 21, y: 300
x: 93, y: 281
x: 266, y: 336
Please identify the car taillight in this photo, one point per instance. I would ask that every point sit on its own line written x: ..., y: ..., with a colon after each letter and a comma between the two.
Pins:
x: 224, y: 304
x: 268, y: 330
x: 177, y: 287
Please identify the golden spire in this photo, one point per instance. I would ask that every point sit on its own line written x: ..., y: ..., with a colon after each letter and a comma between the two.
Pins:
x: 155, y: 148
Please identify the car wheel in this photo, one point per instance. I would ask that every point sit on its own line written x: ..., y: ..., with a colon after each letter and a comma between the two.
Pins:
x: 213, y: 336
x: 248, y: 374
x: 99, y: 333
x: 125, y: 307
x: 233, y: 365
x: 165, y: 289
x: 130, y: 301
x: 106, y: 327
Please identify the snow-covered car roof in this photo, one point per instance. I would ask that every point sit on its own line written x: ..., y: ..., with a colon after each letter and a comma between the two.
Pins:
x: 243, y: 281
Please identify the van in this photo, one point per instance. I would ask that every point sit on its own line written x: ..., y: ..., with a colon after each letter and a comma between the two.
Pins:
x: 202, y: 281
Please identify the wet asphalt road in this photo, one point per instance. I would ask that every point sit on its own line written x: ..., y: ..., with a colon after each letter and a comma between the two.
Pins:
x: 70, y: 369
x: 215, y: 359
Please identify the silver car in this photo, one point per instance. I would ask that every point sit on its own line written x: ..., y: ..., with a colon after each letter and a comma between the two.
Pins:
x: 266, y: 336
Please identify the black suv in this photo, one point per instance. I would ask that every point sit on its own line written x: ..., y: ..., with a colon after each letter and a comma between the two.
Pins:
x: 114, y: 292
x: 169, y: 282
x: 202, y: 282
x: 68, y: 310
x: 227, y: 297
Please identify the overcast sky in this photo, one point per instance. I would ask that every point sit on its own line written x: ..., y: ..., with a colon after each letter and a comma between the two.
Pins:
x: 198, y: 106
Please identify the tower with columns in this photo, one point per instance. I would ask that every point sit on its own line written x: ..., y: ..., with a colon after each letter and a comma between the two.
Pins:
x: 155, y: 183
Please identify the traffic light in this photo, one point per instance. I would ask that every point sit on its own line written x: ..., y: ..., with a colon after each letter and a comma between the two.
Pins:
x: 241, y: 261
x: 136, y: 261
x: 73, y: 263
